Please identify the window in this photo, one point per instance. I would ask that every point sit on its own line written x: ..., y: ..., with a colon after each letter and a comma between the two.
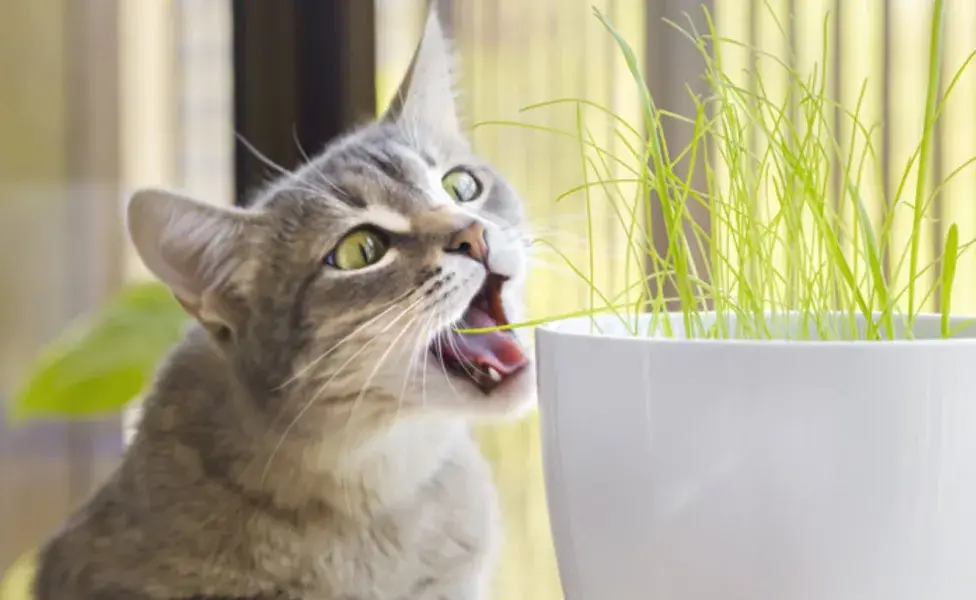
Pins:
x: 118, y: 95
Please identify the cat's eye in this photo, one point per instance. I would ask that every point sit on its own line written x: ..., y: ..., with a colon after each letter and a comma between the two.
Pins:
x: 461, y: 185
x: 358, y: 250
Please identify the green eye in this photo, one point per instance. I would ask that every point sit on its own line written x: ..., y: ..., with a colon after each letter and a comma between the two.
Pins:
x: 461, y: 185
x: 358, y: 250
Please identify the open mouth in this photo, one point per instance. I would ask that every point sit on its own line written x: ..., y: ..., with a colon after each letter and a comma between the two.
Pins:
x: 486, y: 359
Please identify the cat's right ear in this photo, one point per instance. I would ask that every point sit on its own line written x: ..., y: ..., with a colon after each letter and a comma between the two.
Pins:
x: 194, y: 248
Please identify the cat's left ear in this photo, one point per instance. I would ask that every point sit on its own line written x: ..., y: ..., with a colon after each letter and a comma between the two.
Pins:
x: 425, y: 99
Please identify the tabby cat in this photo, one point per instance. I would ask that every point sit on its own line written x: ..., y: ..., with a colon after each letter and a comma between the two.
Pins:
x: 308, y: 438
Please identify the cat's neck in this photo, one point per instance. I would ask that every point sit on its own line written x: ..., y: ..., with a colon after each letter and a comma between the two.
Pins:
x: 354, y: 471
x: 373, y: 475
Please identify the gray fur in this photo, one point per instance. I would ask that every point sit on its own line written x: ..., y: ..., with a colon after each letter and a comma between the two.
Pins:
x: 300, y: 442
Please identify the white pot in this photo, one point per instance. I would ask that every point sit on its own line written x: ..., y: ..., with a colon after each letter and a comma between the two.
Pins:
x: 759, y: 470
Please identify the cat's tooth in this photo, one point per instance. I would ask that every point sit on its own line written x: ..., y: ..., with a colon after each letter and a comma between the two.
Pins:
x: 494, y: 375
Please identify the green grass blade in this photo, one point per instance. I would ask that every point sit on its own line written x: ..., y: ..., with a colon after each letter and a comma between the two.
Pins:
x: 931, y: 94
x: 950, y: 254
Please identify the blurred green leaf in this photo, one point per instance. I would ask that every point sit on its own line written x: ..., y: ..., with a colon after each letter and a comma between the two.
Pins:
x: 102, y: 363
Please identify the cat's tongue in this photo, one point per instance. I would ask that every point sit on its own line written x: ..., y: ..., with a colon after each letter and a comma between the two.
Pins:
x: 487, y: 359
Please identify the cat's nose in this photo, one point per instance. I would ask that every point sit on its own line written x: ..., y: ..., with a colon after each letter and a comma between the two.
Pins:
x: 469, y: 241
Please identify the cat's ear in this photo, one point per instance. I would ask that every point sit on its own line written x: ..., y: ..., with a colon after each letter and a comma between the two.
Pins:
x: 193, y: 248
x: 425, y: 98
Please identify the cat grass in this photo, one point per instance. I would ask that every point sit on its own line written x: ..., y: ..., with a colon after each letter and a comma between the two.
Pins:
x: 764, y: 215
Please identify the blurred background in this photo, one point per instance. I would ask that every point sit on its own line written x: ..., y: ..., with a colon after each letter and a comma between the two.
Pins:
x: 98, y: 97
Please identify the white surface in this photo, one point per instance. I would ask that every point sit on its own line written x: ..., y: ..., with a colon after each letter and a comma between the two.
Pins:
x: 751, y: 470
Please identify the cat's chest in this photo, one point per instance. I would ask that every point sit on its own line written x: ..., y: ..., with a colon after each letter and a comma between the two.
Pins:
x: 444, y: 542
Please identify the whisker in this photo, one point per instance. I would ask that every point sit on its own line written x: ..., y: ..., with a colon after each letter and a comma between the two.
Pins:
x: 421, y: 346
x: 469, y: 367
x: 321, y: 390
x: 327, y: 184
x: 298, y: 143
x: 264, y: 159
x: 440, y: 355
x: 431, y: 338
x: 392, y: 304
x: 379, y: 364
x: 291, y: 181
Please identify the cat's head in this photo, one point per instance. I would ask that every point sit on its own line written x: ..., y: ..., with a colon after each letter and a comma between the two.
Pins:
x: 337, y: 291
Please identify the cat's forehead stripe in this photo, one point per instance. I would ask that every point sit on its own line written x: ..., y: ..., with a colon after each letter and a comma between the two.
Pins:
x: 344, y: 196
x: 385, y: 218
x: 385, y: 162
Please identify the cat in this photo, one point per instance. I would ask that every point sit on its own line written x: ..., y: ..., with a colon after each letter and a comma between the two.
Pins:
x: 308, y: 438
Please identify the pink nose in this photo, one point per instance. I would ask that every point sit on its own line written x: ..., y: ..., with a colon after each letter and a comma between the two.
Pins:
x: 469, y: 241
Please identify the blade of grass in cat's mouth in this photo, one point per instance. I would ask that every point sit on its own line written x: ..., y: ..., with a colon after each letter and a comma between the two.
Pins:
x: 486, y: 359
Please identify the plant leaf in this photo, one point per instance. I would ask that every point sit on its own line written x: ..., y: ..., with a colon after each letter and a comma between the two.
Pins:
x: 102, y: 363
x: 949, y: 259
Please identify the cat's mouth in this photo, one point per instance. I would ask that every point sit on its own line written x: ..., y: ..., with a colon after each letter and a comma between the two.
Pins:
x: 486, y: 359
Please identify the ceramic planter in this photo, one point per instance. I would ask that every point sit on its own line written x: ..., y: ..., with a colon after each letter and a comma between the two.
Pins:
x: 759, y: 470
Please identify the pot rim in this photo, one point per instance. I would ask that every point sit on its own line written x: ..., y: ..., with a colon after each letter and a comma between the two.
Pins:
x: 560, y: 329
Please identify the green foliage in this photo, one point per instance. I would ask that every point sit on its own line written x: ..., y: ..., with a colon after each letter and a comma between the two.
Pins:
x: 788, y: 234
x: 105, y: 360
